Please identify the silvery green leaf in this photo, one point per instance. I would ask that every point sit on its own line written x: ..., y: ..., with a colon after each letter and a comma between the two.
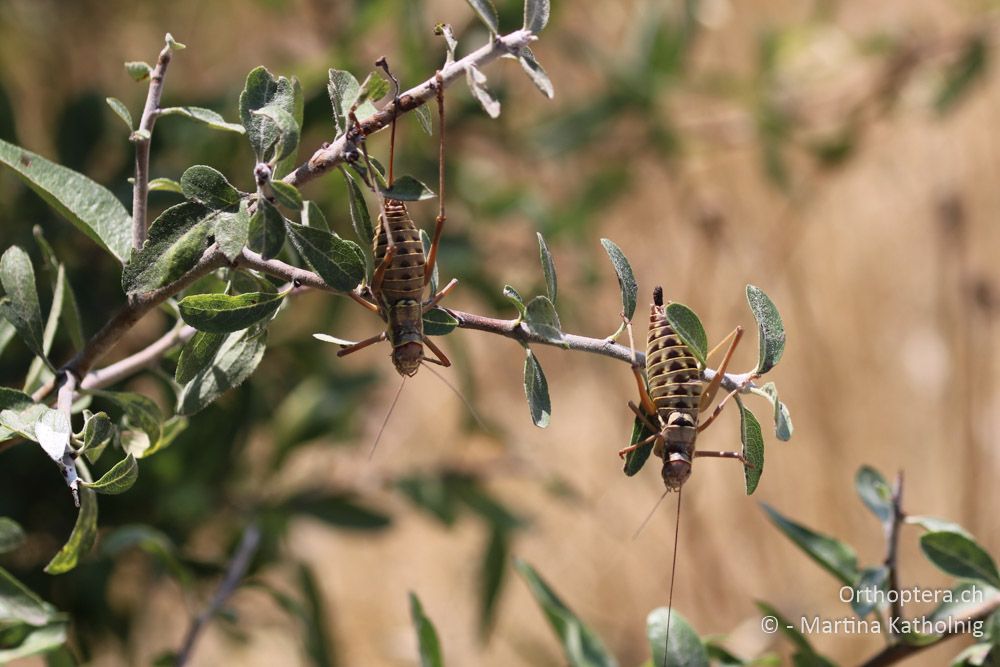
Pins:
x: 477, y: 84
x: 688, y: 326
x: 439, y: 322
x: 81, y: 540
x: 177, y: 240
x: 286, y: 137
x: 548, y: 268
x: 487, y: 13
x: 120, y: 110
x: 20, y: 307
x: 516, y: 299
x: 536, y: 390
x: 208, y: 186
x: 312, y: 216
x: 407, y: 188
x: 174, y: 44
x: 753, y: 447
x: 769, y: 326
x: 224, y: 313
x: 361, y: 219
x: 536, y: 15
x: 423, y: 115
x: 372, y: 89
x: 197, y: 355
x: 91, y: 207
x: 232, y: 230
x: 683, y: 646
x: 279, y: 97
x: 535, y: 72
x: 235, y: 361
x: 267, y: 230
x: 119, y: 479
x: 542, y: 319
x: 344, y: 90
x: 165, y: 185
x: 204, y: 116
x: 287, y: 195
x: 339, y: 262
x: 141, y: 413
x: 626, y: 278
x: 138, y: 70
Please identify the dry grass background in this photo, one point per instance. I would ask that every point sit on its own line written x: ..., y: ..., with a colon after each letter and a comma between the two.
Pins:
x: 889, y: 361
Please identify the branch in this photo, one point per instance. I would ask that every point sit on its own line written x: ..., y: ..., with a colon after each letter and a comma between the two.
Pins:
x: 142, y: 137
x: 890, y: 655
x: 892, y: 545
x: 234, y: 574
x: 143, y: 359
x: 330, y: 155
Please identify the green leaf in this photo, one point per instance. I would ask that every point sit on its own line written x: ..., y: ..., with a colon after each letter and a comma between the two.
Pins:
x: 487, y: 13
x: 536, y: 15
x: 491, y: 576
x: 11, y: 535
x: 314, y: 619
x: 149, y: 540
x: 548, y: 268
x: 267, y: 230
x: 205, y: 117
x: 427, y: 638
x: 39, y: 640
x: 865, y: 600
x: 120, y: 110
x: 339, y: 262
x: 20, y: 307
x: 965, y: 71
x: 141, y: 413
x: 536, y: 390
x: 343, y: 90
x: 542, y: 320
x: 477, y: 85
x: 423, y: 115
x: 232, y: 230
x: 172, y: 428
x: 688, y: 326
x: 782, y: 419
x: 20, y: 603
x: 18, y: 413
x: 684, y: 647
x: 235, y: 361
x: 208, y: 186
x: 770, y: 328
x: 177, y: 240
x: 165, y: 185
x: 875, y: 493
x: 933, y: 524
x: 312, y: 216
x: 98, y: 431
x: 197, y: 355
x: 635, y: 459
x: 91, y: 207
x: 832, y: 555
x: 960, y: 556
x: 81, y: 540
x: 425, y: 242
x: 361, y: 219
x: 56, y: 310
x: 626, y: 279
x: 340, y: 510
x: 223, y: 313
x: 138, y: 70
x: 439, y: 322
x: 535, y: 72
x: 581, y: 646
x: 119, y: 479
x: 516, y: 299
x: 174, y: 44
x: 372, y: 89
x: 70, y: 315
x: 407, y: 188
x: 278, y: 123
x: 753, y: 447
x: 287, y: 195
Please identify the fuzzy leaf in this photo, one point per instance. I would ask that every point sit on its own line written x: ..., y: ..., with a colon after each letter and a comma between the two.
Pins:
x: 91, y: 207
x: 343, y: 90
x: 312, y: 216
x: 276, y: 97
x: 427, y: 638
x: 372, y: 89
x: 81, y: 540
x: 487, y: 13
x: 266, y: 233
x: 477, y: 84
x: 407, y: 188
x: 208, y: 186
x: 339, y: 262
x: 197, y: 355
x: 536, y: 15
x: 753, y: 447
x: 141, y: 413
x: 875, y: 493
x: 516, y: 299
x: 232, y: 230
x: 536, y: 390
x: 119, y: 479
x: 770, y: 328
x: 688, y: 326
x: 222, y: 313
x: 286, y: 140
x: 97, y: 432
x: 683, y: 647
x: 439, y: 322
x: 21, y: 307
x: 206, y: 117
x: 535, y: 72
x: 361, y: 219
x: 235, y: 361
x: 120, y: 110
x: 581, y: 646
x: 177, y: 240
x: 287, y: 195
x: 626, y: 278
x: 637, y: 458
x: 960, y: 556
x: 542, y: 320
x: 165, y: 185
x: 832, y: 555
x: 548, y: 268
x: 423, y: 115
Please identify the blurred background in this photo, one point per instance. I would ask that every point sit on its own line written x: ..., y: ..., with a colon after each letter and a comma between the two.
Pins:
x: 840, y: 155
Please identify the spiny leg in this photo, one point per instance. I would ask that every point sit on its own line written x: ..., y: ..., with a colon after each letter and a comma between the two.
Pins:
x: 440, y: 295
x: 726, y: 455
x: 642, y: 416
x: 631, y: 448
x: 440, y: 220
x: 442, y: 358
x: 390, y: 252
x: 713, y: 386
x: 360, y: 345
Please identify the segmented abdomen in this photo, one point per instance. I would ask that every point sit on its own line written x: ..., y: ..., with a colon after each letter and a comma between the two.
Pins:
x: 404, y: 279
x: 672, y: 371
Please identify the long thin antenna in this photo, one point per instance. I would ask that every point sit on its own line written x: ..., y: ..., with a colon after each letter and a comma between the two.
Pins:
x: 462, y: 398
x: 650, y: 515
x: 386, y: 420
x: 384, y: 64
x: 673, y: 570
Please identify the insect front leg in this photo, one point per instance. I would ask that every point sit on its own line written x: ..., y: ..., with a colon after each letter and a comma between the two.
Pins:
x: 441, y: 217
x: 433, y: 301
x: 713, y: 386
x: 631, y: 448
x: 442, y: 358
x: 360, y: 345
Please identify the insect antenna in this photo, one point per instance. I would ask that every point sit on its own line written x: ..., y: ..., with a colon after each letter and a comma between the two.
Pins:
x: 673, y: 570
x: 385, y: 421
x: 649, y: 516
x: 462, y: 398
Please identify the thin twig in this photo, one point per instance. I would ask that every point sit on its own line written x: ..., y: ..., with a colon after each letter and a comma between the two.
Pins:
x: 892, y: 548
x: 238, y: 566
x: 129, y: 366
x: 142, y: 139
x: 333, y: 154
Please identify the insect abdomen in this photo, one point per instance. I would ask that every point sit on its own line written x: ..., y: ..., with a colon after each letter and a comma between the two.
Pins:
x: 404, y: 278
x: 674, y: 377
